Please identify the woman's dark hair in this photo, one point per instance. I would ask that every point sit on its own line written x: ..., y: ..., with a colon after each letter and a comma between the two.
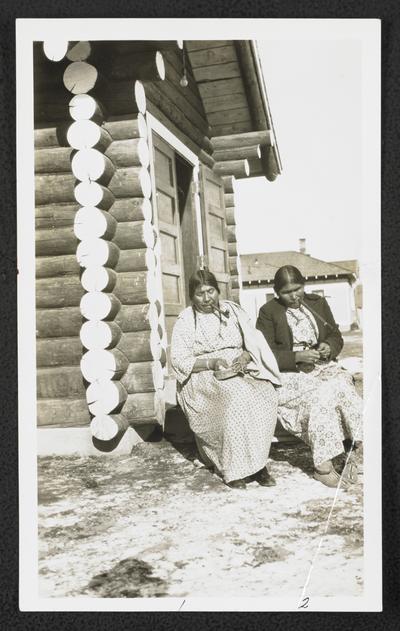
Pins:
x: 201, y: 277
x: 287, y: 274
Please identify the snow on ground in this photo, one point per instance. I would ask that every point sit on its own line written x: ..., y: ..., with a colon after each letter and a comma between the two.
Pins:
x: 155, y: 524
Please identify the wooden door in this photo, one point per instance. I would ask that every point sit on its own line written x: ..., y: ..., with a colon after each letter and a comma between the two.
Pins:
x: 173, y: 282
x: 214, y: 229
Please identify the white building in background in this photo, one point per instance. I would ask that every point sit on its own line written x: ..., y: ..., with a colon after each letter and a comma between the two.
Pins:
x: 337, y: 282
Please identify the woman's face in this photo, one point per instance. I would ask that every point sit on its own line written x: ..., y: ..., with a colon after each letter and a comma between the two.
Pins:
x: 205, y: 297
x: 291, y: 294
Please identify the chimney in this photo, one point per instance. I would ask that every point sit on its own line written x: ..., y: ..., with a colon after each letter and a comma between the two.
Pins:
x: 302, y: 246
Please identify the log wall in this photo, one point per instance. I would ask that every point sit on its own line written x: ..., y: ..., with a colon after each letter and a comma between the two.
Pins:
x: 234, y: 259
x: 101, y: 345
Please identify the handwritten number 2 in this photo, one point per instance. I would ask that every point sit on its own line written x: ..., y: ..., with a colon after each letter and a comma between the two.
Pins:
x: 304, y: 603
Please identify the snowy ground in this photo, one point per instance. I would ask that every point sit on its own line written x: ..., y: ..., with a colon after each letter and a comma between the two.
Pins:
x: 156, y: 524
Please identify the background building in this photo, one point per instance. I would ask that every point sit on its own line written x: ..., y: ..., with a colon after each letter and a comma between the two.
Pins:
x: 335, y: 281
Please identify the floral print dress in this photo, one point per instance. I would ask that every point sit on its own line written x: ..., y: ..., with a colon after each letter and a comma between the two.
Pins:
x: 234, y: 419
x: 321, y: 407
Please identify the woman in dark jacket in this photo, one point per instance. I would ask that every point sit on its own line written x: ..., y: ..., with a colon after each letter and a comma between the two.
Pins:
x: 317, y: 401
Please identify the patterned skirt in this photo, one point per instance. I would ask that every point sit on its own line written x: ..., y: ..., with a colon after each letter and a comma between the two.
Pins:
x: 322, y: 408
x: 233, y: 420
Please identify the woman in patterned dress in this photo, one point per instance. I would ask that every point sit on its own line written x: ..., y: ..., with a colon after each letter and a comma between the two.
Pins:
x: 318, y: 402
x: 233, y: 419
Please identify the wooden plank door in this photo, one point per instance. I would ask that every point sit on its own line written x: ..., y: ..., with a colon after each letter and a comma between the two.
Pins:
x: 173, y: 281
x: 214, y: 229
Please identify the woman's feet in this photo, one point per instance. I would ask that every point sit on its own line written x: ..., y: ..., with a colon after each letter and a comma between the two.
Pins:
x: 264, y: 478
x: 327, y: 475
x: 236, y: 484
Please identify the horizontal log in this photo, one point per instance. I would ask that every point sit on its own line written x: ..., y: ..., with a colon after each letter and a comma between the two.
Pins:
x: 234, y: 265
x: 86, y: 134
x: 229, y: 183
x: 157, y: 113
x: 66, y: 351
x: 232, y: 249
x: 143, y: 377
x: 229, y: 199
x: 63, y: 322
x: 80, y: 77
x: 127, y: 128
x: 85, y: 107
x: 55, y: 215
x: 144, y: 65
x: 245, y: 139
x: 205, y: 158
x: 63, y: 412
x: 97, y: 365
x: 98, y: 279
x: 105, y: 427
x: 97, y: 252
x: 145, y: 407
x: 230, y: 215
x: 132, y: 209
x: 134, y: 234
x: 177, y: 95
x: 79, y: 51
x: 235, y: 296
x: 55, y: 136
x: 126, y: 47
x: 64, y: 291
x: 55, y: 241
x: 131, y: 182
x: 141, y: 346
x: 135, y: 288
x: 92, y: 165
x: 238, y: 153
x: 57, y: 383
x: 178, y: 117
x: 136, y: 260
x: 51, y: 266
x: 127, y: 153
x: 91, y: 222
x: 53, y: 160
x: 235, y: 283
x: 105, y: 397
x: 55, y: 48
x: 238, y: 168
x: 96, y: 305
x: 231, y: 234
x: 142, y: 317
x: 93, y: 194
x: 99, y: 335
x: 121, y: 97
x: 54, y: 188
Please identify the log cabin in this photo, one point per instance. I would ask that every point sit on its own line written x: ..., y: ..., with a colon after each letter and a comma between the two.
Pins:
x: 137, y: 148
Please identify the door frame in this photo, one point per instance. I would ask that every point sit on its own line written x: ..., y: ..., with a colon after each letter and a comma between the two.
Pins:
x: 154, y: 125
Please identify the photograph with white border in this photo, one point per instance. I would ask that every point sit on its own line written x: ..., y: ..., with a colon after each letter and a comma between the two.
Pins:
x: 198, y: 226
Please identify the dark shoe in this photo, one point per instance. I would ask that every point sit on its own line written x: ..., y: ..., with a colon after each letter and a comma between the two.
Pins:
x: 264, y: 478
x: 236, y: 484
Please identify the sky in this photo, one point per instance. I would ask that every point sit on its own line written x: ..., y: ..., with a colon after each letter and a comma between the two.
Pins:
x: 314, y: 92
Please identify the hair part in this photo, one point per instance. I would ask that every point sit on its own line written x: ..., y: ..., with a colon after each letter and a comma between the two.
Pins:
x: 199, y: 278
x: 288, y: 274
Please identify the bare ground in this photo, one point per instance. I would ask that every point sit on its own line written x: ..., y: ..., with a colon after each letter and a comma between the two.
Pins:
x: 155, y: 523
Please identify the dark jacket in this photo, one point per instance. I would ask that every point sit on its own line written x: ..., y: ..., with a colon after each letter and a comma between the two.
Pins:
x: 273, y: 324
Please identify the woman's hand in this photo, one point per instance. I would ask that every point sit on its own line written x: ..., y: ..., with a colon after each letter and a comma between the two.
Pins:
x: 219, y: 364
x: 324, y: 350
x: 239, y: 363
x: 309, y: 356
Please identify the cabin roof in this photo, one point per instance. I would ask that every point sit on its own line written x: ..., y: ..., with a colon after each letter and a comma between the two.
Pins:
x: 263, y: 266
x: 232, y: 88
